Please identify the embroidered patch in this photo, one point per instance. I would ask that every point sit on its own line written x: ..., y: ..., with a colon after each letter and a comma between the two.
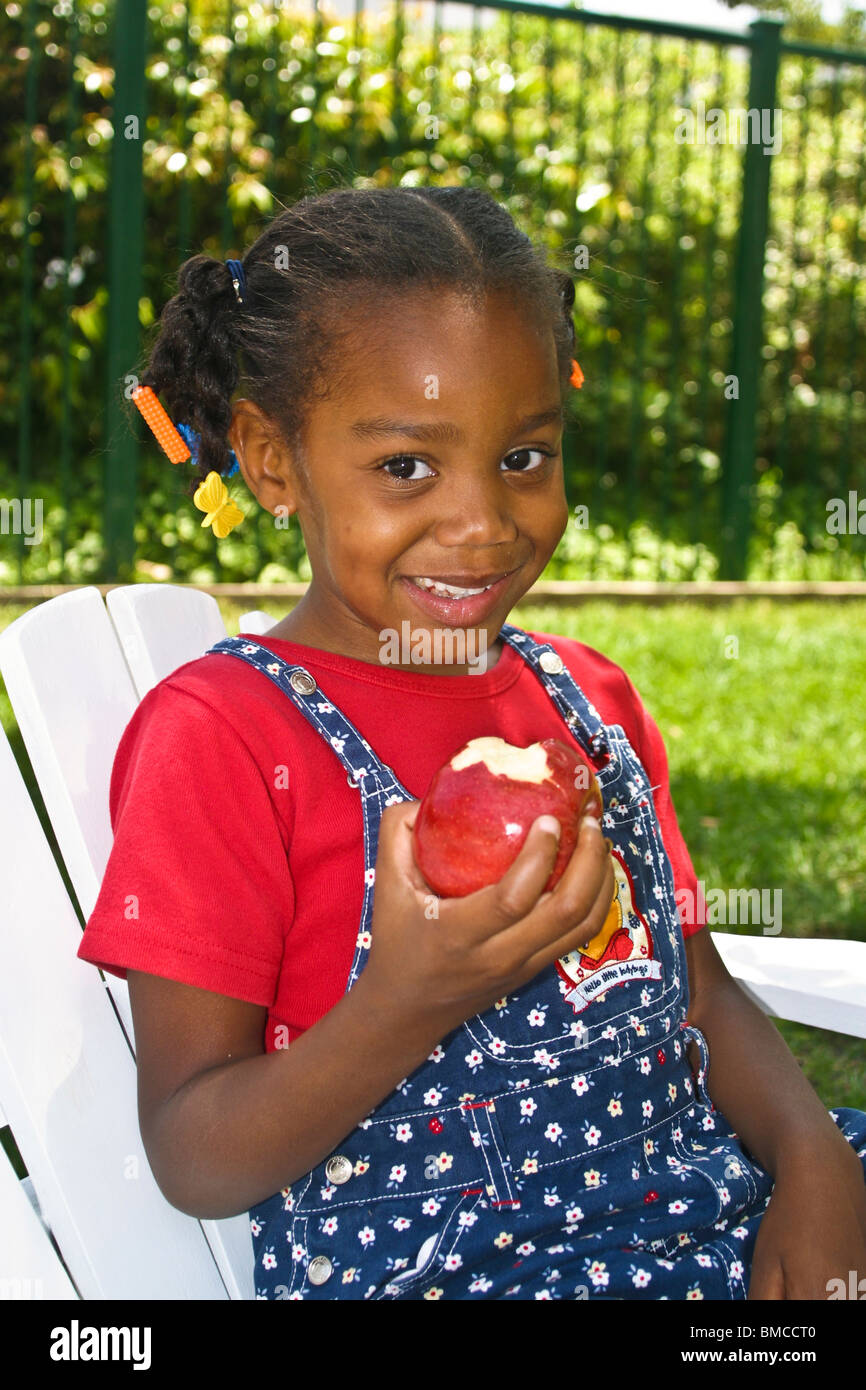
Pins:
x: 622, y: 950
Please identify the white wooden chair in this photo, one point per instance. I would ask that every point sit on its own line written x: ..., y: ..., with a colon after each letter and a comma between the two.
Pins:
x: 161, y: 626
x: 75, y: 668
x: 68, y: 1090
x: 67, y: 1071
x: 29, y: 1265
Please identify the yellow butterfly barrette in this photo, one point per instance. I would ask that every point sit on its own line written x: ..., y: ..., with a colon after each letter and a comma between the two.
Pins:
x: 212, y: 497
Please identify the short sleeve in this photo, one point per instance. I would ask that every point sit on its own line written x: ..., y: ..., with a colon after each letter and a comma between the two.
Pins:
x: 197, y: 887
x: 644, y: 734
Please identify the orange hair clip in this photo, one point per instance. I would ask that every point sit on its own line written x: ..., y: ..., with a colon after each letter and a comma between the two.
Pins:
x: 164, y: 431
x: 576, y: 378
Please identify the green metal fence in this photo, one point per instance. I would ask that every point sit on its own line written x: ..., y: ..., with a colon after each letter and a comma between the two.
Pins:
x: 717, y: 257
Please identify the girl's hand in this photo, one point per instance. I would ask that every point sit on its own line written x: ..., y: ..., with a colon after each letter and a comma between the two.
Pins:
x: 813, y: 1231
x: 450, y: 958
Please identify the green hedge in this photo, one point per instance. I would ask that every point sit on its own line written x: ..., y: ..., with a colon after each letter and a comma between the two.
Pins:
x: 575, y: 134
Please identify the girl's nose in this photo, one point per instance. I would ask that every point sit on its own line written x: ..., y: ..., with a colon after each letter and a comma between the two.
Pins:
x: 475, y: 511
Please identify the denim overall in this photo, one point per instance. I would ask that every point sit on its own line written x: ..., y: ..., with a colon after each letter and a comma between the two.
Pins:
x: 556, y: 1146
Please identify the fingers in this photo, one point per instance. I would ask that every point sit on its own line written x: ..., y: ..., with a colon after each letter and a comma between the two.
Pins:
x: 581, y: 933
x: 576, y: 891
x: 491, y: 909
x: 549, y: 918
x: 395, y: 843
x: 521, y: 923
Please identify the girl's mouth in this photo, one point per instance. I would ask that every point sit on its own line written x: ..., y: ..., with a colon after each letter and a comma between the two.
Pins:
x: 459, y: 605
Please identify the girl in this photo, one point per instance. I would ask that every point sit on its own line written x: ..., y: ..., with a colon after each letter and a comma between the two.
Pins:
x: 420, y: 1098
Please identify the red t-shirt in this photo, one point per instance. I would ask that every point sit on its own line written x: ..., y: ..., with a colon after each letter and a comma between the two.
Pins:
x: 238, y: 855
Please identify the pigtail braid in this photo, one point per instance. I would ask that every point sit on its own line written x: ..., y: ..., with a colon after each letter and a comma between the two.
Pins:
x: 194, y: 362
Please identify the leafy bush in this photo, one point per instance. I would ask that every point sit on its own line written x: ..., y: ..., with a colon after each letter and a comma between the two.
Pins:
x: 573, y: 129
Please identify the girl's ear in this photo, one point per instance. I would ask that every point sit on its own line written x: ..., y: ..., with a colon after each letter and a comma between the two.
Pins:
x: 266, y: 464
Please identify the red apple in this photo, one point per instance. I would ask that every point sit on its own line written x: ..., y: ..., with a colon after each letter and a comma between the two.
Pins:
x: 479, y: 807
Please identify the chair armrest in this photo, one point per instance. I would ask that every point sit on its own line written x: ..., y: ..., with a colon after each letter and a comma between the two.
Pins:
x: 818, y: 982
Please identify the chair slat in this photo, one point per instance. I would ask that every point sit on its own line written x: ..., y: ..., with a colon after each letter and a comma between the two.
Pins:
x: 162, y: 626
x: 72, y: 696
x: 256, y: 623
x: 29, y: 1266
x: 818, y: 982
x: 68, y: 1088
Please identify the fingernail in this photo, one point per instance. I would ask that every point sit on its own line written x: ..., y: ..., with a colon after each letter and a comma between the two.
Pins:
x: 591, y: 820
x: 550, y: 824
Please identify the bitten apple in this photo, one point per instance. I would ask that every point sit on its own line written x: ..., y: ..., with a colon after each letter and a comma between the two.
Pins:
x: 480, y: 806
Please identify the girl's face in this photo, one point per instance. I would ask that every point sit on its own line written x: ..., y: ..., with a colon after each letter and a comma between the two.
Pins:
x: 439, y: 461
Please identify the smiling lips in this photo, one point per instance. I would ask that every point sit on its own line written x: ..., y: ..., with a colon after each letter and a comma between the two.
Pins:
x: 451, y: 588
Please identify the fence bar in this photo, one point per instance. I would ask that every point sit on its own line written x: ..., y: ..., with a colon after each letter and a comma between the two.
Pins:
x: 828, y: 55
x: 639, y: 375
x: 818, y: 479
x: 748, y: 314
x: 845, y: 471
x: 606, y: 314
x: 509, y: 157
x: 313, y: 123
x: 398, y: 99
x: 185, y: 143
x: 698, y: 516
x: 355, y: 88
x: 68, y: 253
x: 661, y: 27
x: 433, y: 114
x: 673, y: 411
x: 796, y: 220
x: 25, y: 420
x: 125, y: 237
x: 227, y: 234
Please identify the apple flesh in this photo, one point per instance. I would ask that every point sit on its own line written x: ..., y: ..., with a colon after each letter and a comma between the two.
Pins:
x: 480, y: 806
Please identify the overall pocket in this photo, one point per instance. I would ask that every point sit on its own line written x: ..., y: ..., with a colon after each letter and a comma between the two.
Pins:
x: 384, y: 1210
x: 439, y: 1256
x: 501, y: 1187
x: 697, y: 1163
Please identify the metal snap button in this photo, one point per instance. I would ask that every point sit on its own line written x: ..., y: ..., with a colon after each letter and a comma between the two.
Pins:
x: 320, y: 1270
x: 303, y: 682
x: 338, y: 1169
x: 551, y: 662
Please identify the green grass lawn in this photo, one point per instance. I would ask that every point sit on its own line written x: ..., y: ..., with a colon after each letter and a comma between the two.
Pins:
x: 767, y: 750
x: 767, y: 754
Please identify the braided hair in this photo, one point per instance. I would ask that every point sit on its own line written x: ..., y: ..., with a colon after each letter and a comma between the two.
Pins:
x: 313, y: 264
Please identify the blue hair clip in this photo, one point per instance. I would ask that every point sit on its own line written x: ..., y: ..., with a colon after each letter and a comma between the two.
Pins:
x: 239, y: 280
x: 192, y: 439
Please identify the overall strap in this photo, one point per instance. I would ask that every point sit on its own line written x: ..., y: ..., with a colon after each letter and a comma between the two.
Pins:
x: 581, y: 716
x: 327, y: 719
x: 377, y: 786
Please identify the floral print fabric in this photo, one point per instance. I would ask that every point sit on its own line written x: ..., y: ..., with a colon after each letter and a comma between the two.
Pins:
x: 557, y: 1146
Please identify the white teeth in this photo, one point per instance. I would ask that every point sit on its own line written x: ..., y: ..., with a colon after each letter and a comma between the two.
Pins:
x: 448, y: 590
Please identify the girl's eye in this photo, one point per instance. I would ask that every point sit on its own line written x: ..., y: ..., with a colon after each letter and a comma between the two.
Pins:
x: 522, y: 453
x: 404, y: 464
